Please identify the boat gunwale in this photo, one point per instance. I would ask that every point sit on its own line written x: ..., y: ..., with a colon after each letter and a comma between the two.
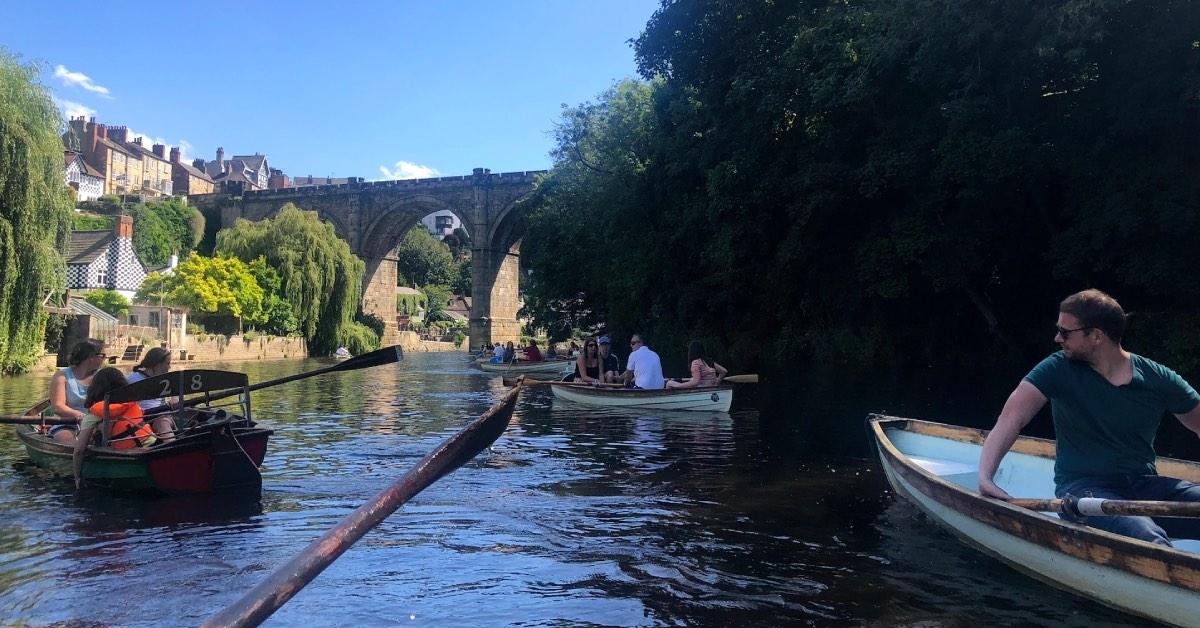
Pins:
x: 597, y: 391
x: 1163, y: 564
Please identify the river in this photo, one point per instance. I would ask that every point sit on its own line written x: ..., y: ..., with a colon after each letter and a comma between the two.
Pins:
x: 575, y: 516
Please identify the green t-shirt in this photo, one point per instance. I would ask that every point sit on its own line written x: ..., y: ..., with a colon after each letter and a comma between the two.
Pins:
x: 1104, y: 429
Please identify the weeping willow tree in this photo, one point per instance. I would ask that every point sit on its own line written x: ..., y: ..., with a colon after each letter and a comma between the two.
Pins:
x: 35, y: 212
x: 320, y: 277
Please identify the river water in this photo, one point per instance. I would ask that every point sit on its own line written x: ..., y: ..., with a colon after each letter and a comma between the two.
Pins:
x: 576, y: 516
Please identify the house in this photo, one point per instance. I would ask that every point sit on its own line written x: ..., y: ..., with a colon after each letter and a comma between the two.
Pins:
x: 277, y: 180
x: 156, y: 170
x: 80, y: 176
x: 105, y: 259
x: 441, y: 223
x: 242, y: 172
x: 187, y: 179
x: 120, y: 169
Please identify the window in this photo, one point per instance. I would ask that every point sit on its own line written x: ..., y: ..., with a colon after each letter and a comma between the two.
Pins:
x: 102, y: 277
x: 443, y: 223
x: 154, y: 319
x: 133, y: 320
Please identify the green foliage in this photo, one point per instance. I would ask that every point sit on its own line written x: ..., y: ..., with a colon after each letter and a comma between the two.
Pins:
x: 462, y: 278
x: 320, y: 278
x: 35, y: 212
x: 374, y: 323
x: 847, y: 186
x: 278, y: 316
x: 411, y: 304
x: 216, y: 287
x: 423, y: 260
x: 436, y: 298
x: 161, y: 228
x: 89, y: 222
x: 111, y: 301
x: 56, y: 324
x: 357, y: 338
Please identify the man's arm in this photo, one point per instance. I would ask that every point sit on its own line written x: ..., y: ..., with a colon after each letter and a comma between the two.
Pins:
x: 1191, y: 420
x: 1022, y: 405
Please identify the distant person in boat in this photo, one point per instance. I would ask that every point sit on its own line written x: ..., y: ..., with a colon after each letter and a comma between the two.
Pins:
x: 612, y: 366
x: 588, y: 364
x: 126, y: 426
x: 498, y: 354
x: 551, y: 353
x: 1107, y: 404
x: 643, y: 368
x: 510, y: 353
x: 157, y: 361
x: 68, y: 387
x: 574, y: 349
x: 705, y: 372
x: 532, y: 354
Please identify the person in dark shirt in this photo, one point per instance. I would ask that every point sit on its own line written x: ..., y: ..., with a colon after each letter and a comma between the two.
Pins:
x: 1107, y: 404
x: 612, y: 366
x: 532, y: 354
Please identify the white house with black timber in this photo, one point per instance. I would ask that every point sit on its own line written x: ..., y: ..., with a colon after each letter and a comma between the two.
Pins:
x: 105, y: 259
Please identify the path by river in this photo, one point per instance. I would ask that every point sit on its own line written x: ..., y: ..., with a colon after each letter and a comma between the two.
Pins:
x: 575, y: 516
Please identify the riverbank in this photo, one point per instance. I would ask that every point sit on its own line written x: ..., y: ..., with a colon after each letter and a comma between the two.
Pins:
x: 209, y: 348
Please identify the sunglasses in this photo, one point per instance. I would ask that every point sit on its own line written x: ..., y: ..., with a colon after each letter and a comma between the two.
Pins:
x: 591, y: 344
x: 1066, y: 333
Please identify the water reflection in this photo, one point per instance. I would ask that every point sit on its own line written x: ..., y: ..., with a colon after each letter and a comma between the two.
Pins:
x: 576, y: 515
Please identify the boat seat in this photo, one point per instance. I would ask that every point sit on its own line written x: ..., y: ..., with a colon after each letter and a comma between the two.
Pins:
x: 941, y: 467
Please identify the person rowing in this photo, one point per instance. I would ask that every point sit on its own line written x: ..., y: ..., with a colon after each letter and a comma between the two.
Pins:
x: 1107, y: 404
x: 643, y: 368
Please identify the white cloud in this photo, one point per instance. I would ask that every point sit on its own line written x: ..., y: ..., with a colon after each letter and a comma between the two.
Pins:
x: 79, y: 79
x: 147, y: 139
x: 72, y: 109
x: 408, y: 170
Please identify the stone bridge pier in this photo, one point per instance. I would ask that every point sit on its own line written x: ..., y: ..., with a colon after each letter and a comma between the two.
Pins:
x: 374, y: 216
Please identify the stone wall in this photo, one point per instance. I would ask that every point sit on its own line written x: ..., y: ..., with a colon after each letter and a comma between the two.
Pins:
x: 218, y: 348
x: 411, y: 342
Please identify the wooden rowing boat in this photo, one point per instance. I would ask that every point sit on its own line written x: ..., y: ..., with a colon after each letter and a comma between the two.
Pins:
x: 216, y: 451
x: 561, y: 367
x: 934, y: 466
x: 712, y: 398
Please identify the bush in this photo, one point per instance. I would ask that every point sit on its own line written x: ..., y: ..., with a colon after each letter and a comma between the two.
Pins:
x: 357, y: 338
x: 196, y: 330
x: 459, y: 337
x: 373, y: 322
x: 110, y: 301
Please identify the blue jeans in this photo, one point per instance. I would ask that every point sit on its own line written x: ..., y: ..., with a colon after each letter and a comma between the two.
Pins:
x: 1145, y: 487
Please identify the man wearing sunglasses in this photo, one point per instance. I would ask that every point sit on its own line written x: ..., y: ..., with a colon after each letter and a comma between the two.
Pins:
x: 643, y: 367
x: 1107, y: 404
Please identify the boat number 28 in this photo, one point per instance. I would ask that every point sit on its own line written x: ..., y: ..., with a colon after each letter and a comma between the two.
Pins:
x: 197, y: 383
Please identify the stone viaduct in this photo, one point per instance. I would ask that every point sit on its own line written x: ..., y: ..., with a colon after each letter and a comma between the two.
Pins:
x: 374, y: 216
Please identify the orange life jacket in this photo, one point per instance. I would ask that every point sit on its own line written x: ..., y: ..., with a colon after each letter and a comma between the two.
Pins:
x: 127, y: 430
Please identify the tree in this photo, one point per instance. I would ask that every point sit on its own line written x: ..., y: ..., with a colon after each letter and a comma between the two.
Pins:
x: 216, y: 287
x: 111, y: 301
x: 35, y: 212
x: 462, y: 278
x: 278, y: 317
x: 436, y: 298
x: 320, y: 278
x: 422, y: 260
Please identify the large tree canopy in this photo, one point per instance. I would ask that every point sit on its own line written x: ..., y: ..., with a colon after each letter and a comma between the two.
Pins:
x: 902, y: 187
x: 320, y: 278
x: 423, y: 260
x: 35, y: 212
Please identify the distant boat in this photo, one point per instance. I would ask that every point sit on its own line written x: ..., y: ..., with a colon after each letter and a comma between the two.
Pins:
x: 935, y: 466
x: 711, y: 398
x: 342, y: 353
x: 561, y: 367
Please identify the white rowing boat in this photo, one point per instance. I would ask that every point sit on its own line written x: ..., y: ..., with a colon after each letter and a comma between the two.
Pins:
x: 712, y: 398
x: 560, y: 367
x: 934, y: 466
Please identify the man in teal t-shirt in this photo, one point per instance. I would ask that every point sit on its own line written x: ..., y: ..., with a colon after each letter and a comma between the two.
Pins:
x: 1107, y: 405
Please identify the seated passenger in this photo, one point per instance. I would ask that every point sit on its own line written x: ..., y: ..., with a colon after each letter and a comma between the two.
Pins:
x: 588, y: 364
x: 705, y: 372
x: 157, y: 361
x: 532, y: 354
x: 126, y: 428
x: 68, y: 387
x: 612, y: 366
x: 643, y: 369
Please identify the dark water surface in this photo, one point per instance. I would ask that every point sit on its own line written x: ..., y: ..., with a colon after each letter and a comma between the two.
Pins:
x: 576, y: 516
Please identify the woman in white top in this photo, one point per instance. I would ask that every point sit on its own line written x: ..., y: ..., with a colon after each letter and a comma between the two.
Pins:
x: 68, y: 387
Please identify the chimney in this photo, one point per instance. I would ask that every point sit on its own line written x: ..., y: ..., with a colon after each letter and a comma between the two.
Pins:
x: 138, y: 140
x: 102, y: 131
x: 118, y: 134
x: 198, y: 164
x: 175, y: 154
x: 93, y: 136
x: 221, y: 158
x: 124, y: 226
x: 160, y: 151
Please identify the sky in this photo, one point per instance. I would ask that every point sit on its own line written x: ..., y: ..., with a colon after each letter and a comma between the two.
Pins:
x: 379, y: 90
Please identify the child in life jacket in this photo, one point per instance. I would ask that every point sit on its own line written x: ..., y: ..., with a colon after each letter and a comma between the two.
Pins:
x: 126, y: 429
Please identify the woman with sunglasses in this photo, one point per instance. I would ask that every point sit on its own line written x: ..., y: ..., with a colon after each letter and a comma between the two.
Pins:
x: 68, y: 387
x: 587, y: 365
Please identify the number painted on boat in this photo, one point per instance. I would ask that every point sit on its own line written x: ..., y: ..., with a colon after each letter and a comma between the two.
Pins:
x: 197, y: 383
x: 166, y: 388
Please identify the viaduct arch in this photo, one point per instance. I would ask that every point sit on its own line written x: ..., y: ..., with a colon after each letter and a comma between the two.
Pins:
x: 374, y: 216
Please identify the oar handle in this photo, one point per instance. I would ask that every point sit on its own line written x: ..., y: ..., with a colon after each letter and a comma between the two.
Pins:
x: 1100, y: 507
x: 25, y: 419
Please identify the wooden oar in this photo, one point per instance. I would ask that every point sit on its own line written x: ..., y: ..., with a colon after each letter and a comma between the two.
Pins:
x: 270, y: 594
x: 379, y: 357
x: 751, y: 378
x: 1100, y: 507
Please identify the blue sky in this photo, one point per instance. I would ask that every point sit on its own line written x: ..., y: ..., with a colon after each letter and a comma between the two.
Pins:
x: 370, y: 89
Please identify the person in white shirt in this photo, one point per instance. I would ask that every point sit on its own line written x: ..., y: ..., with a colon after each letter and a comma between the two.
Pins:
x: 643, y: 368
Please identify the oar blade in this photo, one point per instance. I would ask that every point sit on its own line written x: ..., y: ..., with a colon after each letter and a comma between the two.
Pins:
x: 750, y: 378
x: 379, y: 357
